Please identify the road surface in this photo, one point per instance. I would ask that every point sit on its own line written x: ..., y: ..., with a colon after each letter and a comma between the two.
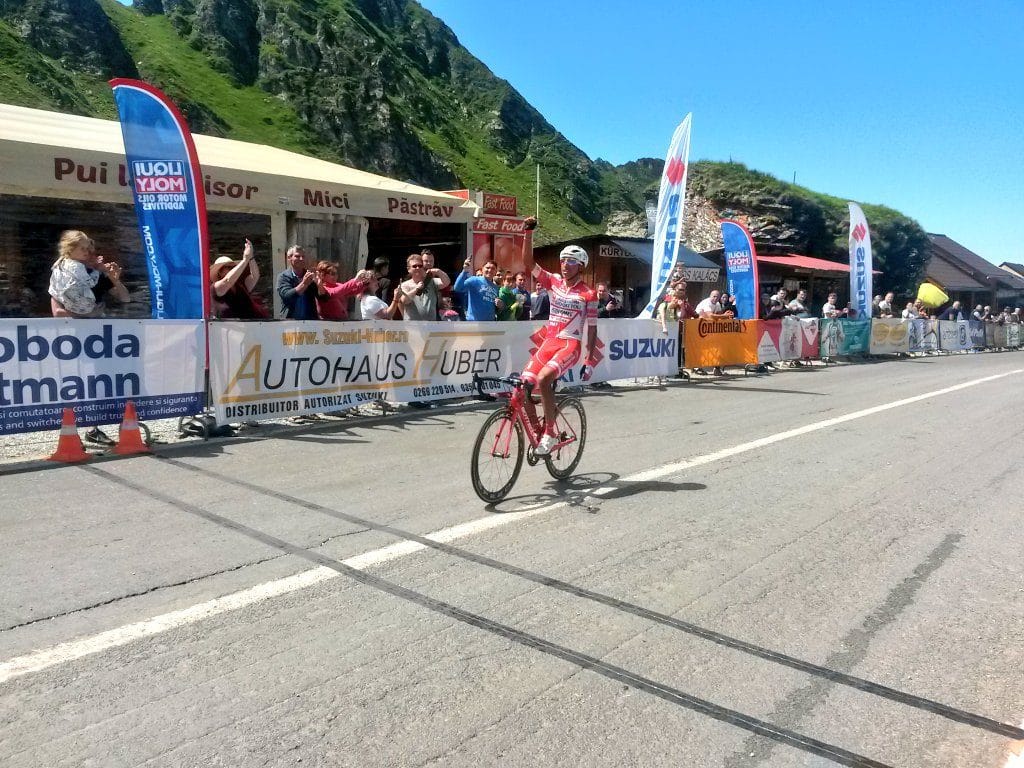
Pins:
x: 817, y: 567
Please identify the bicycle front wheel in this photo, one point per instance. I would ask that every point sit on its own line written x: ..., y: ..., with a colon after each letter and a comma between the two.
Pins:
x: 571, y: 425
x: 497, y: 456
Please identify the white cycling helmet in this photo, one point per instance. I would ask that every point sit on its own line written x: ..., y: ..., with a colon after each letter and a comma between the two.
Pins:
x: 575, y: 253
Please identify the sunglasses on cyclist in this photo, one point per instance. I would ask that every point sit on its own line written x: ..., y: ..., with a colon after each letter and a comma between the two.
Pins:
x: 570, y: 260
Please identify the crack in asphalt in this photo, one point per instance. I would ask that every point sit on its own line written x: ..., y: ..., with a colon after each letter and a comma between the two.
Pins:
x: 140, y: 593
x: 800, y: 703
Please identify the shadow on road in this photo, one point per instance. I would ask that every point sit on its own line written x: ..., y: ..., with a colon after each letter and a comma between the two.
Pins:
x: 768, y: 390
x: 588, y: 491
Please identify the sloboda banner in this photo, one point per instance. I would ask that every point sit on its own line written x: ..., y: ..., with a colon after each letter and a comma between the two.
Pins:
x: 889, y: 336
x: 669, y: 221
x: 954, y: 335
x: 274, y: 370
x: 860, y: 262
x: 96, y: 367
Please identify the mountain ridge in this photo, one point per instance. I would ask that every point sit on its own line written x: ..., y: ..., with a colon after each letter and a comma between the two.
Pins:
x: 385, y: 86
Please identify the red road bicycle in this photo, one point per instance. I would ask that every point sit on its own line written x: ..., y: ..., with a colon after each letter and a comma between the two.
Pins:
x: 508, y: 434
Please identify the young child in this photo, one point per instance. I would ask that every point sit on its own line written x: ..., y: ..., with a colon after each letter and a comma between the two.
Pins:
x: 71, y: 283
x: 508, y: 306
x: 448, y: 311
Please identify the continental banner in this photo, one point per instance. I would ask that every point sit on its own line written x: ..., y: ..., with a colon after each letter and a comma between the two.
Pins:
x: 924, y: 335
x: 714, y: 341
x: 279, y: 369
x: 844, y: 337
x: 769, y: 337
x: 954, y: 335
x: 889, y: 336
x: 95, y: 367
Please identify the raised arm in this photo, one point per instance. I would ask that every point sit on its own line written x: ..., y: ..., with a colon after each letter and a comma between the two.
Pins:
x: 466, y: 273
x: 118, y: 290
x: 235, y: 274
x: 253, y: 276
x: 443, y: 281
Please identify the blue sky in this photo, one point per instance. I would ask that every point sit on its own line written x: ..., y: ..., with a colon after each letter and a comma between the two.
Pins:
x: 914, y: 105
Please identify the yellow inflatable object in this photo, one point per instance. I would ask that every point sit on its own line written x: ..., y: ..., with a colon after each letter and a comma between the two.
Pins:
x: 931, y: 295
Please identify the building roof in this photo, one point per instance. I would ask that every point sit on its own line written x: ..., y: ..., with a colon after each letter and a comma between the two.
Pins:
x: 33, y: 144
x: 980, y: 269
x: 1009, y: 266
x: 807, y: 263
x: 945, y: 272
x: 643, y: 249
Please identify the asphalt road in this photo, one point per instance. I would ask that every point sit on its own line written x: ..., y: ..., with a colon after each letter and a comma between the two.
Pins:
x: 811, y: 568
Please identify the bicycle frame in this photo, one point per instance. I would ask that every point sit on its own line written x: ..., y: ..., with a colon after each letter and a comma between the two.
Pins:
x: 520, y: 414
x: 498, y: 450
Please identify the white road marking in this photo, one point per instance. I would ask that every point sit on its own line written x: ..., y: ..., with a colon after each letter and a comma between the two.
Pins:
x: 103, y: 641
x: 725, y: 453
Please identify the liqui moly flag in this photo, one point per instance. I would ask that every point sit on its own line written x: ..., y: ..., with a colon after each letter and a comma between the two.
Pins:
x: 741, y: 269
x: 668, y: 224
x: 860, y: 262
x: 169, y: 202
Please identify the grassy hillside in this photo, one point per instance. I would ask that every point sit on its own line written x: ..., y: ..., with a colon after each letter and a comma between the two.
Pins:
x: 821, y: 221
x: 30, y: 79
x: 384, y: 86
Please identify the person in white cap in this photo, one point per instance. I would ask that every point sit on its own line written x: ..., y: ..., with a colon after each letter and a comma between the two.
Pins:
x: 573, y: 315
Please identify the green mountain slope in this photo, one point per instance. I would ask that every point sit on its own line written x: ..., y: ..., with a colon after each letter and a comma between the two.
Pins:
x: 384, y: 86
x: 811, y: 222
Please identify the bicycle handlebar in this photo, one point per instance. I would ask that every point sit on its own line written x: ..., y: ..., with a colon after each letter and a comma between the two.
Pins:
x: 515, y: 380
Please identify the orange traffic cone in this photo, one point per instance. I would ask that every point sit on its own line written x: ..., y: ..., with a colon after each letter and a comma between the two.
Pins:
x: 69, y: 445
x: 129, y: 437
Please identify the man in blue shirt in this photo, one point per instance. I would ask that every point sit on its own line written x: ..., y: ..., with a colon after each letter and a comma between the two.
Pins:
x: 294, y: 287
x: 480, y: 291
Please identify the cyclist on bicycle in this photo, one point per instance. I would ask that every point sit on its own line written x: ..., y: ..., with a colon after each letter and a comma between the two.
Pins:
x: 573, y: 311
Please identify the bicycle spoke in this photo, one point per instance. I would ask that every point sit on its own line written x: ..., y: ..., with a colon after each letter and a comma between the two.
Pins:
x: 571, y: 424
x: 497, y: 456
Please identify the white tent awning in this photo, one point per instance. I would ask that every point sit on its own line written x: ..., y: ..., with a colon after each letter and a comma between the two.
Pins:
x: 50, y: 154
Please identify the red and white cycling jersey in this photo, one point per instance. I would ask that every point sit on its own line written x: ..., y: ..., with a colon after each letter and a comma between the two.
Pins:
x: 573, y: 308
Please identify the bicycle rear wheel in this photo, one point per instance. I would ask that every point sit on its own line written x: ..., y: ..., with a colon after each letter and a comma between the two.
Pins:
x: 571, y: 425
x: 497, y: 456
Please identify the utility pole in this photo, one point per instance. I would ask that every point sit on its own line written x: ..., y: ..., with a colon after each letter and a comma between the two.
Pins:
x: 537, y: 209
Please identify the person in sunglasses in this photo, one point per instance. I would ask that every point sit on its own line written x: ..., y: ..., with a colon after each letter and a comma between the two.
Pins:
x: 572, y: 318
x: 421, y: 293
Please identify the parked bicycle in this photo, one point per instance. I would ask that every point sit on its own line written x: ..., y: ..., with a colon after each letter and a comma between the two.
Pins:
x: 510, y: 433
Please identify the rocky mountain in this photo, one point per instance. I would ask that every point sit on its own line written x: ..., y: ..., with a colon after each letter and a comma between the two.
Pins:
x: 382, y: 85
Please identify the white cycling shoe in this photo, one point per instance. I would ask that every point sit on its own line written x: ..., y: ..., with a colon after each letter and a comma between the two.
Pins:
x: 545, y: 445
